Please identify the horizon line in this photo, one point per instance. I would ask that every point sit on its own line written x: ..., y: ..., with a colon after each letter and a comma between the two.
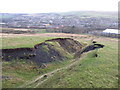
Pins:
x: 58, y: 12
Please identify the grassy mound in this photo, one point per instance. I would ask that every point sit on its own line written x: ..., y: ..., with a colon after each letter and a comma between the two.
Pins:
x: 50, y: 50
x: 90, y: 71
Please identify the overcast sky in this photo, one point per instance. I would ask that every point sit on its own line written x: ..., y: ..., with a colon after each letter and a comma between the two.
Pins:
x: 43, y: 6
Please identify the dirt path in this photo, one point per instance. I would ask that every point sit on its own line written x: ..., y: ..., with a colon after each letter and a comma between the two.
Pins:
x: 41, y: 79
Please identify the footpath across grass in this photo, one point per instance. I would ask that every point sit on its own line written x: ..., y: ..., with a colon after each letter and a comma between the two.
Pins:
x: 18, y: 72
x: 91, y: 71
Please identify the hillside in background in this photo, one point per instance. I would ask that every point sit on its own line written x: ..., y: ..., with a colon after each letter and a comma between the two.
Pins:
x: 92, y: 14
x: 81, y: 19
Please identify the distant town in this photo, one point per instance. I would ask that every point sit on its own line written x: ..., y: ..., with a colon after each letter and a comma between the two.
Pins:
x: 69, y: 22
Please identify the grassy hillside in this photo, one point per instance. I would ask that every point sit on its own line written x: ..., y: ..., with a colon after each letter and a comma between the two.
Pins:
x: 17, y: 73
x: 92, y: 14
x: 22, y: 70
x: 88, y: 71
x: 20, y: 42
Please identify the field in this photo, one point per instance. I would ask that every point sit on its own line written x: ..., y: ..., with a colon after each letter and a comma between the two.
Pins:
x: 22, y: 31
x: 20, y: 42
x: 90, y: 71
x: 87, y: 71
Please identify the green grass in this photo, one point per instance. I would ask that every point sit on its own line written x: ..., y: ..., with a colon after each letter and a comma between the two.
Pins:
x: 12, y: 30
x: 90, y: 71
x: 22, y: 71
x: 40, y: 30
x: 19, y: 71
x: 20, y: 42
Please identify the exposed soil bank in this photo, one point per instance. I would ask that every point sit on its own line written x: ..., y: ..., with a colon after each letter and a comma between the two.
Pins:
x: 50, y: 50
x: 88, y: 48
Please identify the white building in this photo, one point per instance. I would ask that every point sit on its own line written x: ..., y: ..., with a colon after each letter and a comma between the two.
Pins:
x: 114, y: 31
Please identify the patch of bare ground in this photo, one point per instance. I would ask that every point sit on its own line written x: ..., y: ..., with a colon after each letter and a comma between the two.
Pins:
x: 46, y: 35
x: 44, y: 52
x: 22, y: 29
